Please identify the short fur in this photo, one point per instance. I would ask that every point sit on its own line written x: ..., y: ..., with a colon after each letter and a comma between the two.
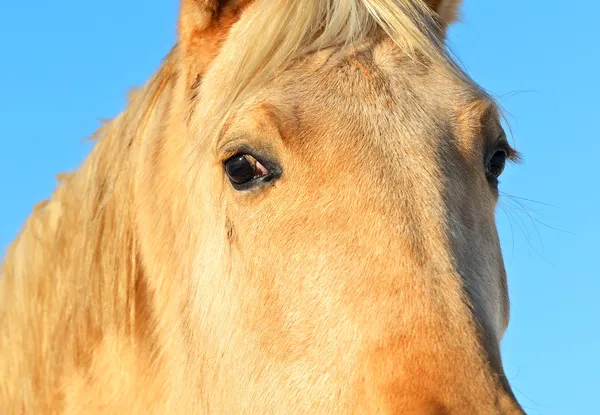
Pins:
x: 367, y: 279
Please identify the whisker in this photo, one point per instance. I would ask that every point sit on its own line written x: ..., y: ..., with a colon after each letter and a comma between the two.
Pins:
x: 527, y: 200
x: 512, y: 232
x: 527, y: 210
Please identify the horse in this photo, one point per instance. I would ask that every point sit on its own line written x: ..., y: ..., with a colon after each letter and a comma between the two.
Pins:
x: 295, y: 214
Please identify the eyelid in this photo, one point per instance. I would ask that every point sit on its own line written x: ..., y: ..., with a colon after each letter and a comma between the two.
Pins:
x: 511, y: 154
x: 232, y: 149
x: 241, y: 146
x: 501, y: 143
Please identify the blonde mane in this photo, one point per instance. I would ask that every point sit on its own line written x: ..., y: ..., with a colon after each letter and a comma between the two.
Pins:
x: 72, y: 275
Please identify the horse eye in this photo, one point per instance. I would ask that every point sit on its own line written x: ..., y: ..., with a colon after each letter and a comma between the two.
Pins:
x: 243, y: 168
x: 495, y: 165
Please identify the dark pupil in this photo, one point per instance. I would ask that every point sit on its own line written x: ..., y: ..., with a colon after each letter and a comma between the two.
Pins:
x: 496, y: 164
x: 239, y: 169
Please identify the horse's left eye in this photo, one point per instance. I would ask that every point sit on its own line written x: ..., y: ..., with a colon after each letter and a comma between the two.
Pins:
x: 496, y: 163
x: 243, y: 168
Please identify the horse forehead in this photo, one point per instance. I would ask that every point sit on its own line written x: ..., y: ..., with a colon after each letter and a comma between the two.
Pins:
x: 368, y: 90
x: 373, y: 80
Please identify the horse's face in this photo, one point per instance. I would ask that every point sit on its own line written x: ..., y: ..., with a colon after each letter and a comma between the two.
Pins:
x: 346, y: 254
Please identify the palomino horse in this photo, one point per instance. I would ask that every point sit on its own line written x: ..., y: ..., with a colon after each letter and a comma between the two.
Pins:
x: 295, y: 215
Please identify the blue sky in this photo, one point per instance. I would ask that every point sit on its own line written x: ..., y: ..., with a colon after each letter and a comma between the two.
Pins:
x: 65, y: 65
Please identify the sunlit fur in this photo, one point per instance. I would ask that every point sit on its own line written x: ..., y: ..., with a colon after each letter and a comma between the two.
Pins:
x: 367, y: 279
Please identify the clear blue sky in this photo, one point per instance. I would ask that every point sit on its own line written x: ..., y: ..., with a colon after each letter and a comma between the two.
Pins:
x: 66, y: 64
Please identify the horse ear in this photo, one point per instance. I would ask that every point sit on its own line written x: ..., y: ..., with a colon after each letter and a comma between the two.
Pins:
x: 203, y: 27
x: 447, y: 10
